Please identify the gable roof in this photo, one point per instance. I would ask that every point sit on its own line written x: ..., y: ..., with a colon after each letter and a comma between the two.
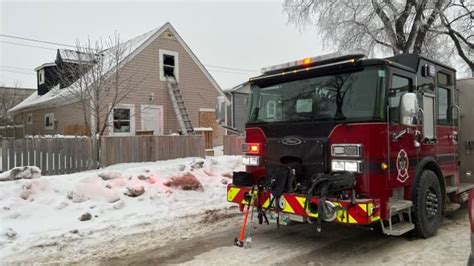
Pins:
x: 136, y: 45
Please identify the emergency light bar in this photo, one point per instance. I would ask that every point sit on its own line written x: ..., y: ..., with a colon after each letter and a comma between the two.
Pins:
x: 316, y: 60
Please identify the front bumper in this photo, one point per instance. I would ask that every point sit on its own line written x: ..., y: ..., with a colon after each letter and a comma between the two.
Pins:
x: 363, y: 212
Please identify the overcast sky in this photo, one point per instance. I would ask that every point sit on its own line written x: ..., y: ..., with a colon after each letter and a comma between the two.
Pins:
x: 246, y: 35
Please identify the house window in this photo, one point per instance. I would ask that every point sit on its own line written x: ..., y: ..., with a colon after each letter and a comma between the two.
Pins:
x: 168, y: 65
x: 122, y: 120
x: 41, y: 76
x: 29, y: 118
x: 49, y: 121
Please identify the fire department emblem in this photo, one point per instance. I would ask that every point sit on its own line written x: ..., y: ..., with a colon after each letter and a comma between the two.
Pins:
x: 402, y: 166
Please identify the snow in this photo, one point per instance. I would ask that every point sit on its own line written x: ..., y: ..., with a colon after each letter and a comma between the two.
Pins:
x: 218, y: 150
x: 26, y: 172
x: 69, y: 55
x: 55, y: 136
x: 203, y: 129
x: 35, y: 211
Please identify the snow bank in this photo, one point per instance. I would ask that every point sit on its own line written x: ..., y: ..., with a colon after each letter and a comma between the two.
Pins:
x: 25, y: 172
x: 38, y: 210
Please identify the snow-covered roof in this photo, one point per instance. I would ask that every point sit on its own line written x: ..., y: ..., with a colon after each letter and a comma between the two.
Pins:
x: 45, y: 65
x: 73, y: 56
x: 132, y: 47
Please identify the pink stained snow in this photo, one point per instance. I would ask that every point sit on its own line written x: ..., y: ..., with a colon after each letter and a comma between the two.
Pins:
x: 38, y: 210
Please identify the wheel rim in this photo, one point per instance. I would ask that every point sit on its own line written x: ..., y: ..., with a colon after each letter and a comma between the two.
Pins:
x: 431, y: 203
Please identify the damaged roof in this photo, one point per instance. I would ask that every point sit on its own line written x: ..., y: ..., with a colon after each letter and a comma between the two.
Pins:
x: 133, y: 46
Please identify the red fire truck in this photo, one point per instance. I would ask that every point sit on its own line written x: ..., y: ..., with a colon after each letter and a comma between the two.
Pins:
x: 470, y: 209
x: 345, y: 139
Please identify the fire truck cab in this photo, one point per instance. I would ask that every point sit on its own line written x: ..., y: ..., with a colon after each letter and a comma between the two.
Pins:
x: 346, y: 139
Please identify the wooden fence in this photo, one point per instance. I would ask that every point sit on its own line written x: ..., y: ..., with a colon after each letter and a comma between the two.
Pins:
x: 51, y: 155
x: 69, y: 155
x: 150, y: 148
x: 233, y: 144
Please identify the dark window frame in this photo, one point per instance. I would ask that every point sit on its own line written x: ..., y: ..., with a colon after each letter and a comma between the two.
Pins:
x: 169, y: 68
x: 396, y: 109
x: 118, y: 122
x: 449, y: 119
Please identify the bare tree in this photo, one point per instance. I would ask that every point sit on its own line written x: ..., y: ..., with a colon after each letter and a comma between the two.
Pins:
x: 9, y: 97
x: 457, y: 22
x: 396, y: 26
x: 99, y: 80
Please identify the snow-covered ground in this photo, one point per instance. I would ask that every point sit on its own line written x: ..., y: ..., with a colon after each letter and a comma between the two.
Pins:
x: 48, y: 210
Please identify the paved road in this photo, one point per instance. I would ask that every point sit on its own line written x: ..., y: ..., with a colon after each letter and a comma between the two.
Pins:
x: 301, y: 244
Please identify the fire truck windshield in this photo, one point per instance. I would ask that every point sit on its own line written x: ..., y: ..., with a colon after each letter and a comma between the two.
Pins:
x: 353, y: 96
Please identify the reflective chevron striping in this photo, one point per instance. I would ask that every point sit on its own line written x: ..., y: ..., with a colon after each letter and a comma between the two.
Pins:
x: 360, y: 213
x: 287, y: 206
x: 232, y: 193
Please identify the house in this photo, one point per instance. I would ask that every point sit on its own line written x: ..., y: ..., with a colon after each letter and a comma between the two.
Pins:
x: 149, y: 107
x: 234, y: 108
x: 9, y: 97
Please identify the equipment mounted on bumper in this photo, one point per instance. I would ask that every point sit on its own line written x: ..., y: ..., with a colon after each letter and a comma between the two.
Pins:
x: 363, y: 212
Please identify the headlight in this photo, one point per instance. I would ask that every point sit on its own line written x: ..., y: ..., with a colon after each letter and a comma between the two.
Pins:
x: 346, y: 165
x: 251, y: 160
x: 346, y: 150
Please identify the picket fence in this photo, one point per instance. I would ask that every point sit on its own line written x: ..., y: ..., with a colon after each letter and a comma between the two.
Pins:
x: 51, y: 155
x: 70, y: 155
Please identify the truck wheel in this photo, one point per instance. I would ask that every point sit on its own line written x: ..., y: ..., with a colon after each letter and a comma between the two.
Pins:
x: 428, y: 205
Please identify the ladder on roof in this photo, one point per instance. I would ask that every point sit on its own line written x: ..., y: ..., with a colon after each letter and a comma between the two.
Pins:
x: 179, y: 107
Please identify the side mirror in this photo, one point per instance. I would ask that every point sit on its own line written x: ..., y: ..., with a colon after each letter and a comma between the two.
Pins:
x: 220, y: 110
x: 409, y: 109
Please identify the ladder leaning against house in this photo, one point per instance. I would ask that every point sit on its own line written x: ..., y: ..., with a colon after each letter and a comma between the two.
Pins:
x: 179, y: 107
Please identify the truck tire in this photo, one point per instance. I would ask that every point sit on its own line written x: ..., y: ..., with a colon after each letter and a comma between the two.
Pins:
x: 428, y: 203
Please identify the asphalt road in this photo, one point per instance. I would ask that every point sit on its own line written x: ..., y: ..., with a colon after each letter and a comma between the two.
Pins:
x: 302, y: 244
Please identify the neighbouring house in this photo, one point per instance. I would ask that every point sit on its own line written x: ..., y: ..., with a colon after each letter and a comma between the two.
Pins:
x: 234, y: 108
x: 10, y: 97
x: 150, y: 107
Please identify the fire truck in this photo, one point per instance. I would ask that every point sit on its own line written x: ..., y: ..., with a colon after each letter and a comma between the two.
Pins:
x: 342, y: 138
x: 470, y: 209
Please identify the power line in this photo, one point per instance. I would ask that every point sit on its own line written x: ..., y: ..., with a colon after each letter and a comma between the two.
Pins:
x: 68, y: 45
x: 28, y: 45
x: 236, y: 69
x: 230, y: 72
x: 36, y: 40
x: 20, y: 68
x: 17, y: 72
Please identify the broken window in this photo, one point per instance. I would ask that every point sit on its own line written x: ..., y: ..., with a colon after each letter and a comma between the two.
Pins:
x: 168, y: 65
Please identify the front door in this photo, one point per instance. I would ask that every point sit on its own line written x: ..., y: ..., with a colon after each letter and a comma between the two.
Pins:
x: 152, y: 118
